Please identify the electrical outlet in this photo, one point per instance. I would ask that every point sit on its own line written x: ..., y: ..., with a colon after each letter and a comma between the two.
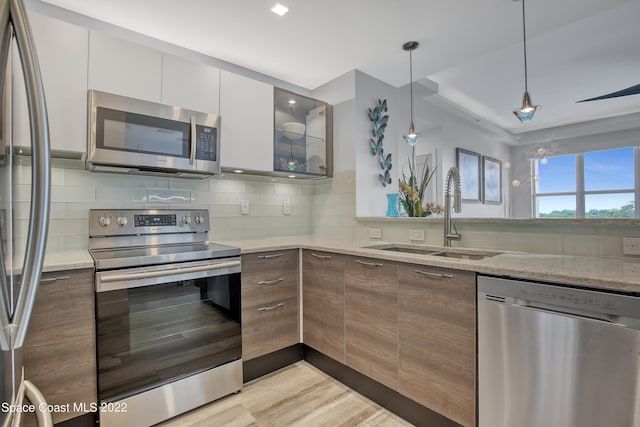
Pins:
x: 375, y: 233
x: 416, y: 235
x: 631, y: 245
x: 244, y: 207
x: 286, y: 207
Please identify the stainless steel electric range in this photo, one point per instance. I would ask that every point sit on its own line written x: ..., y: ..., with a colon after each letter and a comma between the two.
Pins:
x: 167, y: 314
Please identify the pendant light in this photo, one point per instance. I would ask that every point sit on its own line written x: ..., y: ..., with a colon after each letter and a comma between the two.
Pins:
x: 291, y: 165
x: 411, y: 137
x: 527, y: 110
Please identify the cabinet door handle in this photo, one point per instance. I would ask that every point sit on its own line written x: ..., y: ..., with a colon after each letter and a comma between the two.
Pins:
x: 270, y: 256
x: 440, y: 275
x: 370, y: 264
x: 270, y: 282
x: 273, y: 307
x: 321, y: 256
x: 53, y: 279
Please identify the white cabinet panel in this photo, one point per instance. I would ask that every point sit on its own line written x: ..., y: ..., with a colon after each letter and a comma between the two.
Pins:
x: 124, y: 68
x: 62, y: 54
x: 190, y: 84
x: 246, y: 108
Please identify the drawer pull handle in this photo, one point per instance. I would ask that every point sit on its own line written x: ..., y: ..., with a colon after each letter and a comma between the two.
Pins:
x: 370, y: 264
x: 440, y: 275
x: 270, y: 282
x: 53, y: 279
x: 321, y: 256
x: 270, y: 256
x: 273, y: 307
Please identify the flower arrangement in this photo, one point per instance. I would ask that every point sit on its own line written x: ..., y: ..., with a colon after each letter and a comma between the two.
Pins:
x: 412, y: 191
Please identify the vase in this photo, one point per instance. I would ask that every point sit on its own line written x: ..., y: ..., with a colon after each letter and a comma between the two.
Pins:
x: 393, y: 201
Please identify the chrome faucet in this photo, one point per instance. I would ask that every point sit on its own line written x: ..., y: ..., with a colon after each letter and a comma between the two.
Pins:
x: 453, y: 177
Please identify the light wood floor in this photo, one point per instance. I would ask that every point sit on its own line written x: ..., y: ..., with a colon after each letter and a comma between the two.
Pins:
x: 298, y: 395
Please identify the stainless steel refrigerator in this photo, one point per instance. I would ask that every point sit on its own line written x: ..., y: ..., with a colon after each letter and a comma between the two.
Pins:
x: 22, y: 252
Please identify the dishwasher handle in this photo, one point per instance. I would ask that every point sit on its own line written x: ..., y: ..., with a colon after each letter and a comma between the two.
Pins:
x: 563, y: 311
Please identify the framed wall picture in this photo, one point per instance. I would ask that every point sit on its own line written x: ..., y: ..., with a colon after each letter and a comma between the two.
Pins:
x: 491, y: 180
x: 469, y: 166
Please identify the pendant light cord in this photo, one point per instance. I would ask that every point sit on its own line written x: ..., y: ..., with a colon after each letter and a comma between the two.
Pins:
x: 524, y: 38
x: 411, y: 81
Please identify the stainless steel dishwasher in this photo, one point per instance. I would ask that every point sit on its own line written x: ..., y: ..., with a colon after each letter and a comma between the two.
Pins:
x: 555, y: 356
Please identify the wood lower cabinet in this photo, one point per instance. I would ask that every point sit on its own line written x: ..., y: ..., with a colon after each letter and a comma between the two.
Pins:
x: 60, y: 350
x: 437, y: 339
x: 371, y: 318
x: 323, y: 302
x: 269, y: 302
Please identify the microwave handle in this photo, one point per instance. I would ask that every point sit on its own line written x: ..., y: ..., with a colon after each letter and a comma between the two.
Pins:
x: 192, y: 152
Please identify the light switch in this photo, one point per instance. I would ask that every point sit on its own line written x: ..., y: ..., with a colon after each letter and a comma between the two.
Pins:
x: 286, y: 207
x: 244, y: 207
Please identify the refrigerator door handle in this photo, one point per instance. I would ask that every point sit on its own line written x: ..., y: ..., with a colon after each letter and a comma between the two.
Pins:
x: 5, y: 303
x: 40, y: 175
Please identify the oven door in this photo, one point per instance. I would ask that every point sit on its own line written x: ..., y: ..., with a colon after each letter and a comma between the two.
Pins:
x: 159, y: 324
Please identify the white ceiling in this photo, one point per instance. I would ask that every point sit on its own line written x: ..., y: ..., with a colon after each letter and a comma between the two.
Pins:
x: 472, y: 48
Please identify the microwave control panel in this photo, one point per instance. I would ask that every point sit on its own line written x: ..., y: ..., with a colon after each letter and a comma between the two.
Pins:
x: 206, y: 143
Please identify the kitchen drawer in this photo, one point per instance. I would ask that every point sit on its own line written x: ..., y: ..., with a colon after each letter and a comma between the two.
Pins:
x: 269, y: 276
x: 269, y: 327
x: 269, y: 302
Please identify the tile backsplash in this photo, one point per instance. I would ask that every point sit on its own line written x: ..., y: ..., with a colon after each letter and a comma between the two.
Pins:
x: 75, y: 191
x: 323, y: 208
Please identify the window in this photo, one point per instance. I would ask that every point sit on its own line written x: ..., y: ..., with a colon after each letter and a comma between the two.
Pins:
x: 598, y: 184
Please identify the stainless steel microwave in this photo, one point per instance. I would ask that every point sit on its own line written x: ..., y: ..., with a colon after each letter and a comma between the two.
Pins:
x: 134, y: 136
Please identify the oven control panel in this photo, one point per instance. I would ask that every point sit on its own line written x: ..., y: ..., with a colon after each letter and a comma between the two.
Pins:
x: 147, y: 222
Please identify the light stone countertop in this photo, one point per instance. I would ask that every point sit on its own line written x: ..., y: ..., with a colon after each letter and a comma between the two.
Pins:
x: 59, y: 261
x: 622, y: 274
x: 67, y: 260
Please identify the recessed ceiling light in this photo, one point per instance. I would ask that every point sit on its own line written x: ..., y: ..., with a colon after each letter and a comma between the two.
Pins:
x: 292, y: 101
x: 279, y: 9
x: 238, y: 171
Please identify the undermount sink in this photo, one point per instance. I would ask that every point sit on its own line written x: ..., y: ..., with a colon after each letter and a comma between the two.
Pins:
x: 464, y: 255
x: 471, y: 254
x: 407, y: 249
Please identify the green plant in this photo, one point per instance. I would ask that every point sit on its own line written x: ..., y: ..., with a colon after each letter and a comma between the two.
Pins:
x: 412, y: 190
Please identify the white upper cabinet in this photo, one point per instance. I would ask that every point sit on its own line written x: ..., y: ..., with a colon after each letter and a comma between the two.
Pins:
x: 246, y: 108
x: 62, y: 54
x: 124, y: 68
x: 190, y: 85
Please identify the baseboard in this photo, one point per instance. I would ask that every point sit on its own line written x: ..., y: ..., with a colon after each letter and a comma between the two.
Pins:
x: 271, y: 362
x: 86, y: 420
x: 384, y: 396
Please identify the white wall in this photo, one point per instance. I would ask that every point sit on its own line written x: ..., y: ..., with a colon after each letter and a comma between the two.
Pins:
x: 341, y: 93
x: 371, y: 197
x: 441, y: 133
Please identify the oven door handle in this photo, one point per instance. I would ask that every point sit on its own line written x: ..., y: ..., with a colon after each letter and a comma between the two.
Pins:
x: 119, y: 280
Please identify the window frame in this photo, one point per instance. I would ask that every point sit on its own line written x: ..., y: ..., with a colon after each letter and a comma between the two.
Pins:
x: 580, y: 192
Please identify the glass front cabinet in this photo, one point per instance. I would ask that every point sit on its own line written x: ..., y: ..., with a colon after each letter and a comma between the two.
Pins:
x: 303, y: 135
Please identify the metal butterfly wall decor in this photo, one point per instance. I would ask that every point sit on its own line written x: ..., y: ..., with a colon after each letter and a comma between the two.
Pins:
x: 379, y: 120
